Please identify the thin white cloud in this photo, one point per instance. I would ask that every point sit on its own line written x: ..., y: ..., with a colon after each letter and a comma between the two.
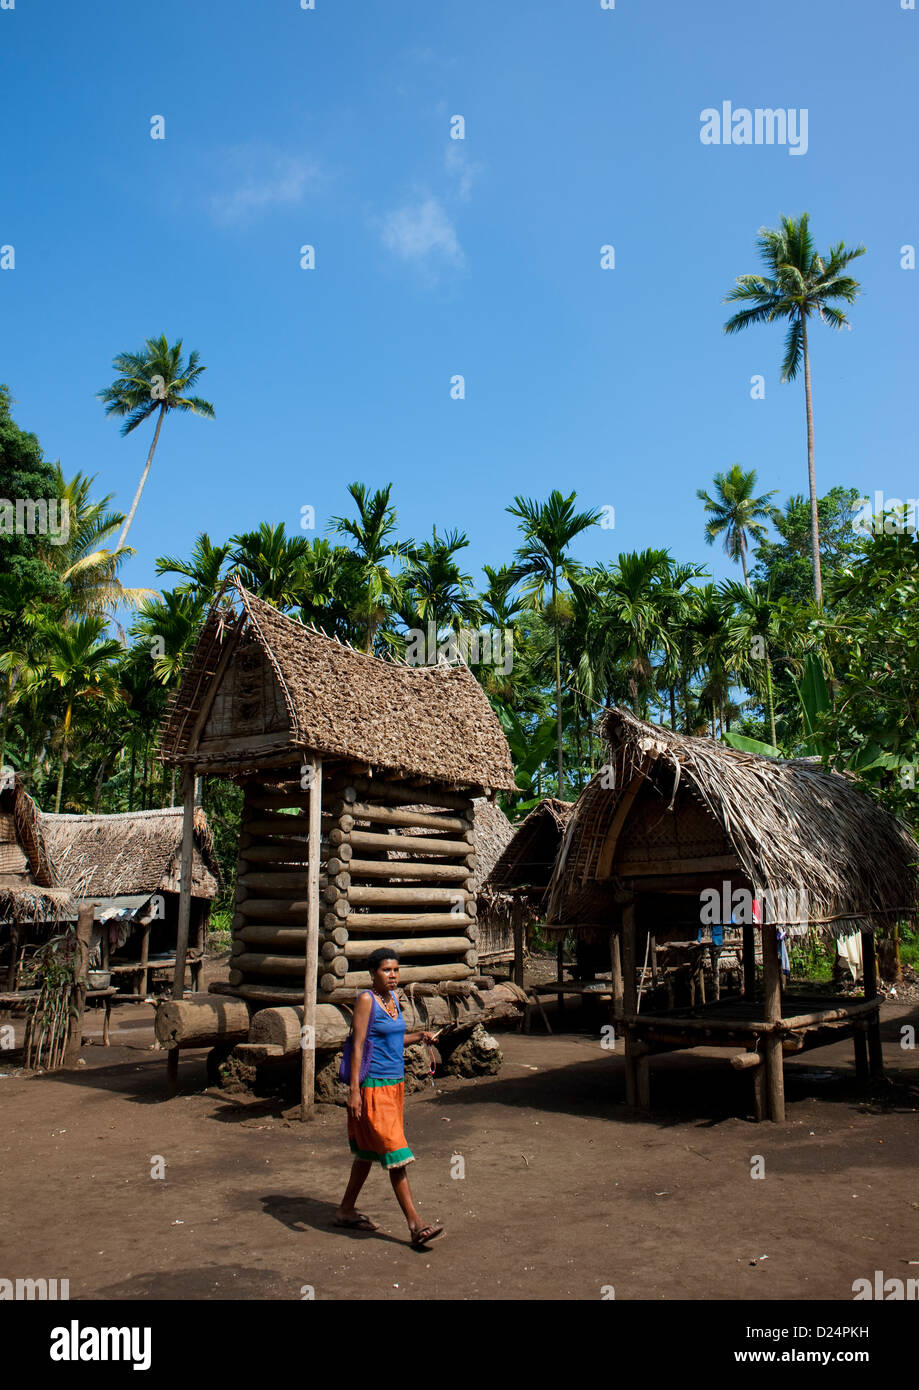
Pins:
x: 261, y: 180
x: 461, y: 168
x: 421, y: 231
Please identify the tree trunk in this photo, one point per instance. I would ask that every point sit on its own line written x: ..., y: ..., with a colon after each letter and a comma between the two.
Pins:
x: 558, y: 687
x: 769, y: 696
x: 743, y: 561
x: 811, y: 474
x: 60, y: 784
x: 143, y: 478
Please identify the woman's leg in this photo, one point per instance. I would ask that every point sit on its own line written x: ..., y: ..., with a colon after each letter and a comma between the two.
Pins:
x: 359, y: 1171
x: 399, y: 1179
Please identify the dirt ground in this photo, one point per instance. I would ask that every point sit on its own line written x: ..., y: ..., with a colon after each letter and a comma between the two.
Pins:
x: 660, y: 1209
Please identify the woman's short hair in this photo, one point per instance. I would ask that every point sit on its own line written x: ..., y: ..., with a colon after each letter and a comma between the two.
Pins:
x: 377, y: 957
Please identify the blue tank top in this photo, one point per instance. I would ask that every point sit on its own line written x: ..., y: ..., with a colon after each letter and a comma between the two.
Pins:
x: 388, y: 1038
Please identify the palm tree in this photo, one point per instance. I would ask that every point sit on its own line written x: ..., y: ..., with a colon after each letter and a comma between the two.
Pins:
x: 735, y: 513
x: 548, y: 529
x: 202, y: 573
x: 84, y: 562
x: 799, y: 284
x: 272, y: 564
x: 154, y: 380
x: 634, y: 603
x: 371, y: 532
x: 81, y: 660
x: 435, y: 588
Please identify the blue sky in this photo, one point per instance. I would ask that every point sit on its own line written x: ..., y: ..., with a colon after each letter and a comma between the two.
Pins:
x: 437, y: 257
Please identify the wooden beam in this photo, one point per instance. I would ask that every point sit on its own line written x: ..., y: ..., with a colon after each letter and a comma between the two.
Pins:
x: 308, y: 1035
x: 638, y: 868
x: 870, y: 972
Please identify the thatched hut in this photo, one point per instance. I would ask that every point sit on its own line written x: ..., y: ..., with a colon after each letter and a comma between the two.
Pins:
x: 128, y: 866
x: 33, y: 900
x: 335, y: 750
x: 514, y: 892
x: 673, y: 824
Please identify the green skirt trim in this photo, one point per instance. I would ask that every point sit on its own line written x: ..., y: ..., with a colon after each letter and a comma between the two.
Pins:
x: 394, y: 1159
x: 384, y: 1081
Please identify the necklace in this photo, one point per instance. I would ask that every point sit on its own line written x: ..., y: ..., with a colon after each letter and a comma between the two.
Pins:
x: 389, y: 1004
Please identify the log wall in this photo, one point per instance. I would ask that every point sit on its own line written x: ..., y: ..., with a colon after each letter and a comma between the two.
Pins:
x: 389, y: 876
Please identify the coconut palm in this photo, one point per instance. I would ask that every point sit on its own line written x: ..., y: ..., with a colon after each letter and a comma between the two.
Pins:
x: 84, y: 560
x: 202, y: 573
x: 272, y: 564
x: 799, y: 284
x: 632, y: 619
x: 82, y: 662
x: 542, y: 561
x: 371, y: 533
x: 735, y: 513
x: 435, y: 588
x: 153, y: 381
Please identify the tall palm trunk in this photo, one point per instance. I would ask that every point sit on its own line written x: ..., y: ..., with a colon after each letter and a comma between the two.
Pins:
x: 743, y: 561
x: 143, y: 478
x: 558, y: 685
x: 769, y: 697
x: 811, y: 474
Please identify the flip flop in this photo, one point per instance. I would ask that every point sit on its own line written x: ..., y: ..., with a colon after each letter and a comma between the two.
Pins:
x: 359, y: 1222
x: 425, y: 1234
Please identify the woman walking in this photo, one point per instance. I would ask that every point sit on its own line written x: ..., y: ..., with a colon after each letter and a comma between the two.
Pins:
x: 375, y: 1128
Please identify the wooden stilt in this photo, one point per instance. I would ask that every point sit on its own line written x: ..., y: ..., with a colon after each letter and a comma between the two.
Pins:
x: 85, y: 916
x: 869, y: 962
x: 772, y: 1042
x: 519, y: 929
x: 308, y: 1036
x: 629, y: 998
x: 748, y: 952
x: 185, y: 870
x: 615, y: 960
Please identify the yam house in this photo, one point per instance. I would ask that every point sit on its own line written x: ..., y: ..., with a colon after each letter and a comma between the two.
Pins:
x: 672, y: 824
x: 34, y: 904
x: 513, y: 894
x: 128, y: 866
x: 336, y: 751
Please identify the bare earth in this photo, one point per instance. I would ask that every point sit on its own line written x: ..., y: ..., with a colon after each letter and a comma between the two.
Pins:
x: 658, y: 1209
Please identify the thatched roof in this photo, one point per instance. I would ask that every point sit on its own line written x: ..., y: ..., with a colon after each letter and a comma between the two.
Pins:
x: 529, y: 857
x: 128, y: 853
x: 791, y: 826
x: 317, y: 695
x: 30, y: 887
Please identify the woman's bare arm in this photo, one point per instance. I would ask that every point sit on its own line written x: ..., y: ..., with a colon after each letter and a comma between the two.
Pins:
x: 359, y: 1025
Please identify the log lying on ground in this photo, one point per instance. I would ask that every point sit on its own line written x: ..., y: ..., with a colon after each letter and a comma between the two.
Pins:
x: 204, y: 1020
x: 280, y: 1026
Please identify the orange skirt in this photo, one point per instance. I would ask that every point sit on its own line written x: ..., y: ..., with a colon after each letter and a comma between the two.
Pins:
x: 379, y: 1134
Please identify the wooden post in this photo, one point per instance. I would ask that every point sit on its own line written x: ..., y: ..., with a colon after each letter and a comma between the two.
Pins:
x: 519, y: 929
x: 308, y: 1035
x: 12, y: 970
x: 615, y: 960
x: 748, y: 955
x: 560, y: 971
x: 78, y: 994
x: 629, y: 998
x: 772, y: 1042
x: 178, y: 978
x: 144, y: 957
x: 870, y: 968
